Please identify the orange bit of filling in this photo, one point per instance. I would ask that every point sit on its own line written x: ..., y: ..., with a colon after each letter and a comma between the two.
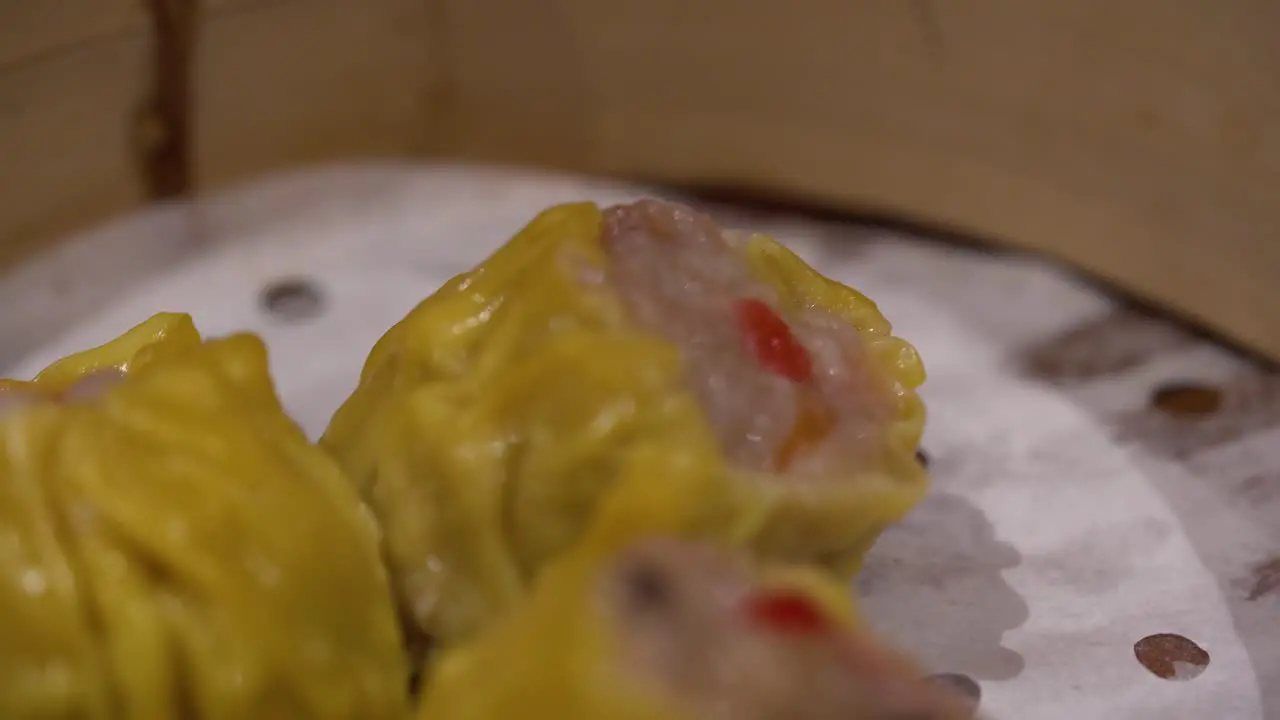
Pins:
x: 786, y: 612
x: 779, y: 352
x: 775, y: 347
x: 814, y: 422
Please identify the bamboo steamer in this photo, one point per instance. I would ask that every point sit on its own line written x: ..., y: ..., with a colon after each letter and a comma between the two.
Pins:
x: 1137, y: 141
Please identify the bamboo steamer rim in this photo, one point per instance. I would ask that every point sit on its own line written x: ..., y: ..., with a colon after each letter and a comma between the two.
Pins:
x: 1137, y: 143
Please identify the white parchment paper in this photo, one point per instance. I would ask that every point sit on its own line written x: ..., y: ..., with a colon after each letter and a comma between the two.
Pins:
x: 1069, y: 520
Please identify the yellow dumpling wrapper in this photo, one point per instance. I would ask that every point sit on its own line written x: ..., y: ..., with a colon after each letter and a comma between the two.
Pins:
x: 489, y: 423
x: 175, y: 547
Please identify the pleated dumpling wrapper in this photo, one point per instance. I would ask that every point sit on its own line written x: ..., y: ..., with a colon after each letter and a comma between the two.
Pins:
x: 174, y: 547
x: 490, y: 420
x: 673, y: 630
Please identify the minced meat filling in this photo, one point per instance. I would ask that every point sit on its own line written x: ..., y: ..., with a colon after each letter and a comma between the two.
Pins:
x: 783, y: 392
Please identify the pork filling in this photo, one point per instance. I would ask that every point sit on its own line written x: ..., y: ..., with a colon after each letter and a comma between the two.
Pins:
x: 785, y: 391
x: 697, y: 626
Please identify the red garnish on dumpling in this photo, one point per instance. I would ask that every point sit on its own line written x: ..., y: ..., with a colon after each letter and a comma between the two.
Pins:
x: 786, y: 612
x: 771, y: 339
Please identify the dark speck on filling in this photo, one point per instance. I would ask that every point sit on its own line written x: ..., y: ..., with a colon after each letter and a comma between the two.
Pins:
x: 647, y: 586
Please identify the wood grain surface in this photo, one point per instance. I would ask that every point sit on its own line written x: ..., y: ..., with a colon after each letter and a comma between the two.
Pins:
x: 1137, y: 141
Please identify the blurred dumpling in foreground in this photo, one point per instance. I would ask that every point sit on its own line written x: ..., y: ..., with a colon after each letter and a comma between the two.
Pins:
x: 640, y: 339
x: 671, y: 630
x: 174, y: 547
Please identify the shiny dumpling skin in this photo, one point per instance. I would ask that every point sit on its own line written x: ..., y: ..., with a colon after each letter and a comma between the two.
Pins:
x: 163, y: 331
x: 226, y: 568
x: 490, y: 421
x: 50, y: 660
